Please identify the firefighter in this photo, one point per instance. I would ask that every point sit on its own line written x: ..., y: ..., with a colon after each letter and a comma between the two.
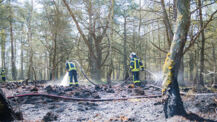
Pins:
x: 3, y: 75
x: 71, y: 68
x: 135, y: 66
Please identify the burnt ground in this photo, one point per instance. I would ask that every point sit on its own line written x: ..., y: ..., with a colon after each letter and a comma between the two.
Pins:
x: 38, y: 108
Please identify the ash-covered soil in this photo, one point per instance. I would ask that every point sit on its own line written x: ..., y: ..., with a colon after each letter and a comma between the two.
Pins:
x: 38, y: 108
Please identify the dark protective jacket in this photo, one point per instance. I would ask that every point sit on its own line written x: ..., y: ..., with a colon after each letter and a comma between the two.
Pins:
x: 70, y: 66
x: 3, y: 73
x: 136, y: 64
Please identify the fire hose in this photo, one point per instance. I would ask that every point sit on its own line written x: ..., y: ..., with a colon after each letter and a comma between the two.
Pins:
x: 82, y: 99
x: 82, y: 71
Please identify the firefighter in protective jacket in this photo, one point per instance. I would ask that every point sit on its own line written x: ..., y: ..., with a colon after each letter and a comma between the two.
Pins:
x: 71, y: 68
x: 135, y: 66
x: 3, y: 74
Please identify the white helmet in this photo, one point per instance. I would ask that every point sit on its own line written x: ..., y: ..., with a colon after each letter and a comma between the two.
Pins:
x: 132, y: 54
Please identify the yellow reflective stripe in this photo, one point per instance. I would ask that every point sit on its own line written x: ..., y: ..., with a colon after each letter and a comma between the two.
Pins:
x: 71, y: 68
x: 70, y: 83
x: 3, y: 74
x: 134, y: 63
x: 137, y: 81
x: 141, y: 66
x: 76, y: 82
x: 135, y: 69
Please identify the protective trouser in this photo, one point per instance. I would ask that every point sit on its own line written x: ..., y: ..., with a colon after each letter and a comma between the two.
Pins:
x: 73, y: 74
x: 4, y: 78
x: 3, y: 75
x: 136, y: 77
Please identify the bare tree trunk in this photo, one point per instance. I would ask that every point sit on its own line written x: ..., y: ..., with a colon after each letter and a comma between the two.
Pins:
x: 173, y: 104
x: 201, y: 82
x: 13, y: 66
x: 159, y: 45
x: 181, y: 73
x: 46, y: 73
x: 29, y: 36
x: 61, y: 69
x: 49, y: 68
x: 92, y: 60
x: 6, y: 112
x: 125, y: 75
x: 96, y: 52
x: 54, y: 65
x: 167, y: 23
x: 118, y: 71
x: 3, y: 41
x: 214, y: 83
x: 191, y: 66
x: 13, y: 70
x: 174, y: 10
x: 196, y: 78
x: 21, y: 77
x: 21, y: 62
x: 111, y: 67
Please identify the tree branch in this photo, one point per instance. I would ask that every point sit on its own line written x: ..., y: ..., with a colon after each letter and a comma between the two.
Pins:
x: 198, y: 34
x: 79, y: 29
x: 164, y: 51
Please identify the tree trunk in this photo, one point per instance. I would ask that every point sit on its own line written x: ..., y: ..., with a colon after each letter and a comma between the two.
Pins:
x: 3, y: 41
x: 181, y: 73
x: 21, y: 77
x: 196, y: 78
x: 50, y: 67
x: 125, y: 75
x: 191, y: 66
x: 21, y: 62
x: 214, y: 83
x: 61, y: 69
x: 173, y: 104
x: 29, y: 36
x: 13, y: 66
x: 96, y: 52
x: 167, y: 23
x: 92, y: 60
x: 201, y: 82
x: 111, y: 67
x: 6, y: 112
x: 118, y: 70
x: 54, y: 56
x: 98, y: 61
x: 174, y: 10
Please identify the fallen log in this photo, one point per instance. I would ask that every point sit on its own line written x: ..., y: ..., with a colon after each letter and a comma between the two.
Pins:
x: 185, y: 93
x: 82, y: 99
x: 6, y: 111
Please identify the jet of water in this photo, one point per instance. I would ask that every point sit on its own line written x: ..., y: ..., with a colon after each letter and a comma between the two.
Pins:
x: 65, y: 81
x: 156, y: 76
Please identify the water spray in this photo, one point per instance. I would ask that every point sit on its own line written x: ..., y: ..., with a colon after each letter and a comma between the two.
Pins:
x: 65, y: 80
x: 157, y: 77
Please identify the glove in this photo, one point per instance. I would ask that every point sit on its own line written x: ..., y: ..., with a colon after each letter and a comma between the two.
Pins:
x: 163, y: 91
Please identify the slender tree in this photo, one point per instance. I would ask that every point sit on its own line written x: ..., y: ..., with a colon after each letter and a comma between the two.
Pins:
x: 201, y: 82
x: 173, y: 104
x: 13, y: 66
